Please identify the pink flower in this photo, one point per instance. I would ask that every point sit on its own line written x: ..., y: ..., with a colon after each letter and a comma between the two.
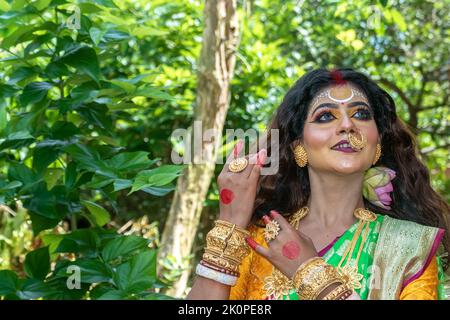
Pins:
x: 377, y: 186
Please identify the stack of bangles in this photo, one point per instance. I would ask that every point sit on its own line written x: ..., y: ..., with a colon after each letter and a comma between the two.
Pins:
x: 225, y: 249
x: 315, y: 276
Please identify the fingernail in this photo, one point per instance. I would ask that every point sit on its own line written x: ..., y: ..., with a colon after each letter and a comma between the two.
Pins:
x: 252, y: 243
x: 274, y: 213
x: 238, y: 148
x: 262, y: 154
x: 266, y: 219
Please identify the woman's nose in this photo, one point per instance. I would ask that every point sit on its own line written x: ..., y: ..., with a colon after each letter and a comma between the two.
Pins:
x: 345, y: 125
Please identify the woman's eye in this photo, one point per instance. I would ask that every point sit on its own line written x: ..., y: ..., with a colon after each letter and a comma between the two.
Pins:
x: 363, y: 114
x: 325, y: 117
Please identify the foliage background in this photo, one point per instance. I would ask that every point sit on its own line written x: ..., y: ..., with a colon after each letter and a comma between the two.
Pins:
x: 86, y: 114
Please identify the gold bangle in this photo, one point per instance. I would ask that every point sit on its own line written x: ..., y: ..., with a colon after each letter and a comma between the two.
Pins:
x: 220, y: 261
x: 338, y: 292
x: 314, y: 276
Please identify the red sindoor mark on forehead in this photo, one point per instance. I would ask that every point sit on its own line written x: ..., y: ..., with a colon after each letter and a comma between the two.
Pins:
x: 337, y: 77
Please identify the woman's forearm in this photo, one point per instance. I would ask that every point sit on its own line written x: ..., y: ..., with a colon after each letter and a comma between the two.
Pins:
x: 206, y: 289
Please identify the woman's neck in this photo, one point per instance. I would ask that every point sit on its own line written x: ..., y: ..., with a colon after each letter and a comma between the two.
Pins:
x: 334, y: 198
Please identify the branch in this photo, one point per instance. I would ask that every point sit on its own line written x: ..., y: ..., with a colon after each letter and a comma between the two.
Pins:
x: 402, y: 95
x: 431, y: 149
x: 432, y: 107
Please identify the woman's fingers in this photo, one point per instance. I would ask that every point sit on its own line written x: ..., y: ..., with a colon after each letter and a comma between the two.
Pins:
x: 257, y: 247
x: 266, y: 219
x: 259, y: 160
x: 280, y: 219
x: 236, y: 151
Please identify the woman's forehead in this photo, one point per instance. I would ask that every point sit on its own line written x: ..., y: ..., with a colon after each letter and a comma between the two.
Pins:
x: 343, y: 93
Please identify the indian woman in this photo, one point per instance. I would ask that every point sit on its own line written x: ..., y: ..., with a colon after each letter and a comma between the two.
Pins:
x: 350, y: 213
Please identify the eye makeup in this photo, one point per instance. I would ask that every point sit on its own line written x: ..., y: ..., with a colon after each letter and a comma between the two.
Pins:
x: 328, y: 114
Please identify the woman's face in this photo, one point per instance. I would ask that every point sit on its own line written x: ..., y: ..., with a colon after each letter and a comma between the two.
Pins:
x: 333, y: 113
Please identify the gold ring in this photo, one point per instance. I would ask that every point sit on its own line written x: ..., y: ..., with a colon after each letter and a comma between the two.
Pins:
x: 238, y: 165
x: 355, y: 143
x: 271, y: 231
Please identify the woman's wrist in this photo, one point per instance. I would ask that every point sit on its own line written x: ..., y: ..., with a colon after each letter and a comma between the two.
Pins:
x: 315, y: 279
x: 225, y: 249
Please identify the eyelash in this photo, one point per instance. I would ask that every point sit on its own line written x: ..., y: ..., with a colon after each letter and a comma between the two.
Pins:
x: 366, y: 116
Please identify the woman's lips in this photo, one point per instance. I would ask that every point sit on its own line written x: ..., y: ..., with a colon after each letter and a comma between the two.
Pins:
x: 344, y: 149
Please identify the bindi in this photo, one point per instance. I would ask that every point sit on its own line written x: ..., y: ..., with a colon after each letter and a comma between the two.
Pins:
x: 226, y: 196
x: 291, y: 250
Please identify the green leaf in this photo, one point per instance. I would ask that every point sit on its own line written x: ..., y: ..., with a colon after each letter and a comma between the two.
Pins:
x: 14, y: 37
x: 20, y: 172
x: 22, y: 73
x: 120, y: 184
x: 10, y: 186
x: 158, y: 177
x: 80, y: 241
x: 96, y: 35
x: 41, y: 4
x: 7, y: 91
x: 45, y: 153
x: 129, y: 88
x: 138, y: 274
x: 91, y: 270
x: 87, y: 7
x: 37, y: 263
x: 113, y: 295
x: 8, y: 282
x: 17, y: 140
x: 85, y: 60
x: 153, y: 93
x: 399, y: 20
x: 56, y: 70
x: 4, y: 5
x: 90, y: 160
x: 40, y: 223
x: 123, y: 246
x: 158, y: 191
x: 33, y: 289
x: 52, y: 241
x: 130, y: 161
x: 99, y: 214
x: 34, y: 92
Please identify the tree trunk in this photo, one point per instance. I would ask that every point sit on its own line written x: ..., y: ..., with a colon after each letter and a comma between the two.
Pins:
x: 215, y: 70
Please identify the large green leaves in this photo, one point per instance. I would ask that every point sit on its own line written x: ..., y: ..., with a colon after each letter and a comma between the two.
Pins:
x: 37, y: 263
x: 123, y: 246
x: 8, y: 282
x: 158, y: 177
x: 34, y: 92
x: 138, y: 274
x: 99, y: 216
x: 84, y: 59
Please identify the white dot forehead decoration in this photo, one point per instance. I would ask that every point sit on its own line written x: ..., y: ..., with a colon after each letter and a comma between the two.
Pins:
x: 327, y: 94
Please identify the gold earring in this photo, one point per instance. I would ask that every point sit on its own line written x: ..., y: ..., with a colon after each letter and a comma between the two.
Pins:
x: 377, y: 154
x: 300, y: 155
x: 356, y: 143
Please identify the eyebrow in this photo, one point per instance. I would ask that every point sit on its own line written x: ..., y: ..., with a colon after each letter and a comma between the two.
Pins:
x: 335, y: 106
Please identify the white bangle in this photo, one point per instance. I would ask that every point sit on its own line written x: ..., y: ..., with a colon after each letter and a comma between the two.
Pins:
x: 218, y: 276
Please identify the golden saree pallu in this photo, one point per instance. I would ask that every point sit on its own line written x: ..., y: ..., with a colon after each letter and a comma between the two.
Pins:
x: 313, y: 277
x: 226, y: 246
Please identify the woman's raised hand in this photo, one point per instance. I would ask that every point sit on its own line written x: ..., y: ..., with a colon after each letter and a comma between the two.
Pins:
x: 238, y: 189
x: 288, y: 250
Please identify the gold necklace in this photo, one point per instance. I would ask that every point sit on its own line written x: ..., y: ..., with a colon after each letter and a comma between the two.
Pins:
x: 278, y: 285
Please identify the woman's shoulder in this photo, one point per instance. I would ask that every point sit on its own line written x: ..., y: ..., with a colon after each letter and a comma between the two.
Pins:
x: 409, y: 238
x: 407, y: 228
